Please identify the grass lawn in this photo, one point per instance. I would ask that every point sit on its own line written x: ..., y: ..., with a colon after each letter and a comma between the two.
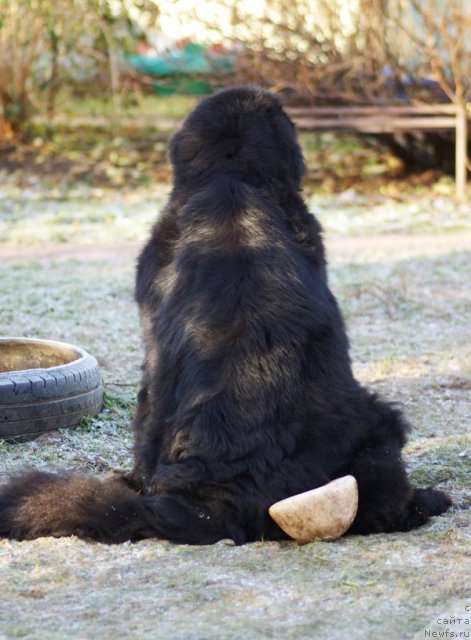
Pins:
x: 401, y: 269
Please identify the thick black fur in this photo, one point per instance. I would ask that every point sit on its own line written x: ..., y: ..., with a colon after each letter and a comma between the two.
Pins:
x: 248, y: 394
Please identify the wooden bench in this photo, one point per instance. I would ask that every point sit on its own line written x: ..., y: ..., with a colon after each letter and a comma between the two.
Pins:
x: 393, y: 119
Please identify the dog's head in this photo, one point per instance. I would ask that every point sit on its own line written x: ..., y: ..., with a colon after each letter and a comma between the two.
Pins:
x: 242, y: 132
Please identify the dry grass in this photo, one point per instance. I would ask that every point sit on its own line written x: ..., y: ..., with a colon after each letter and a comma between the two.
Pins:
x: 407, y: 306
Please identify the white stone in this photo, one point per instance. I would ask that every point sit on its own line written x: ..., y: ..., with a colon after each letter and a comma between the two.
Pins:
x: 324, y: 513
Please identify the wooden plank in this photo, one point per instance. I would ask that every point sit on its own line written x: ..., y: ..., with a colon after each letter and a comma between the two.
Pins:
x: 369, y: 110
x: 377, y: 119
x: 461, y: 153
x: 375, y: 125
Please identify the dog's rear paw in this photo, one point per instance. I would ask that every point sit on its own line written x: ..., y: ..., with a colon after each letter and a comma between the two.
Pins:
x: 430, y: 502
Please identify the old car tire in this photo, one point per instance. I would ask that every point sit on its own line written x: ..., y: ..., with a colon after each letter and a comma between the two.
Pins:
x: 45, y: 385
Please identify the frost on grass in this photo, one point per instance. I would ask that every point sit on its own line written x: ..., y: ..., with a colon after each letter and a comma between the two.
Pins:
x: 89, y: 215
x: 81, y: 215
x: 98, y: 445
x: 407, y: 308
x: 422, y: 214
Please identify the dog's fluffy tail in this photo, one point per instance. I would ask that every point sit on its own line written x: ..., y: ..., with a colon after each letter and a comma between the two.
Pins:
x: 35, y: 504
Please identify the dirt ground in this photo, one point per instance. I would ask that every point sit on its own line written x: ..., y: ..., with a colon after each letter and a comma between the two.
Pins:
x: 345, y: 245
x: 407, y: 305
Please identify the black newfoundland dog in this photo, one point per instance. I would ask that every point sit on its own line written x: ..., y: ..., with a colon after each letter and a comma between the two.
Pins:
x: 248, y: 395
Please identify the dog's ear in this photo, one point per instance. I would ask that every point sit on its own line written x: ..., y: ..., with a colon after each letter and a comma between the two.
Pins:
x: 183, y: 147
x: 284, y: 93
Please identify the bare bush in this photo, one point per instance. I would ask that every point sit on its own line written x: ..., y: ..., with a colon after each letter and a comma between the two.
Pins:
x: 44, y: 42
x: 362, y: 52
x: 389, y: 52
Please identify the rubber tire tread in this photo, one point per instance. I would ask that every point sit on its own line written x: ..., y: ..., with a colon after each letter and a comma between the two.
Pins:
x: 34, y: 401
